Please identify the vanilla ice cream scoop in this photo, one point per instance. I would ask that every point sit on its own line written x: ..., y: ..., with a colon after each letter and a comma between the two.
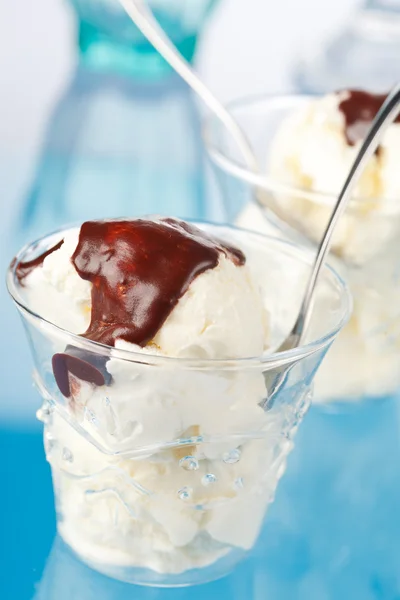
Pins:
x: 152, y: 287
x: 313, y: 152
x: 206, y: 314
x: 316, y: 146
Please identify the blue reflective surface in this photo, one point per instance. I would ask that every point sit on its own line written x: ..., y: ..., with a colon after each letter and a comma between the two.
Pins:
x: 27, y: 519
x: 338, y: 506
x: 35, y: 565
x: 332, y: 533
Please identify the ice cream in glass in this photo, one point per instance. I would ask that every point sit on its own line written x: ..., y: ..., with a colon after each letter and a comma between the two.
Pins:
x: 307, y: 146
x: 154, y: 344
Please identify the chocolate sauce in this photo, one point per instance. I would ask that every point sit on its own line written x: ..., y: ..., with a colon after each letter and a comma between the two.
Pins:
x: 139, y: 270
x: 23, y: 269
x: 84, y: 365
x: 359, y: 108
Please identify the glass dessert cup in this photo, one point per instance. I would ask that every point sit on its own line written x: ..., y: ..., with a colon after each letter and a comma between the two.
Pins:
x: 366, y: 247
x: 336, y: 501
x: 163, y: 475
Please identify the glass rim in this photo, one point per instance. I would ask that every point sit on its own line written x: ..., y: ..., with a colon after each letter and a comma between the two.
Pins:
x: 270, y: 360
x: 270, y: 102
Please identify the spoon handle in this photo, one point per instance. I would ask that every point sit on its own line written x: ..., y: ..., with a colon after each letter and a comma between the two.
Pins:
x: 384, y: 118
x: 146, y: 23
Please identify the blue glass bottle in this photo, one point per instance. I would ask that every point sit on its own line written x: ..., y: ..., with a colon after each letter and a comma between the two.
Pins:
x: 124, y: 139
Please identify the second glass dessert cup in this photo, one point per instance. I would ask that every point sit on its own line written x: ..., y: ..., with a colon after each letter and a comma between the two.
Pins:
x: 337, y: 499
x: 366, y: 246
x: 163, y: 474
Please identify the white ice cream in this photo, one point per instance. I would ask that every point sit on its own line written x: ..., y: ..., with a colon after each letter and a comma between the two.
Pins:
x: 212, y: 320
x: 310, y: 153
x: 132, y: 501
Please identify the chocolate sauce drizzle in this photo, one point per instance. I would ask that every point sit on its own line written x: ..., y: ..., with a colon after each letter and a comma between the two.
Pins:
x: 139, y: 269
x: 23, y: 269
x: 359, y: 108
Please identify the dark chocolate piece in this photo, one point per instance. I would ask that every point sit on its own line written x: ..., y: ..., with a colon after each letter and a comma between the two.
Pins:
x: 84, y: 365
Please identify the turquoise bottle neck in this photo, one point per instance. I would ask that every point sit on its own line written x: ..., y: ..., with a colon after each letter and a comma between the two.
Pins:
x: 102, y: 53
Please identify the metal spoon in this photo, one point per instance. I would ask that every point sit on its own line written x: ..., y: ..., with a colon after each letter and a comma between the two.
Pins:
x: 385, y: 117
x: 147, y: 24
